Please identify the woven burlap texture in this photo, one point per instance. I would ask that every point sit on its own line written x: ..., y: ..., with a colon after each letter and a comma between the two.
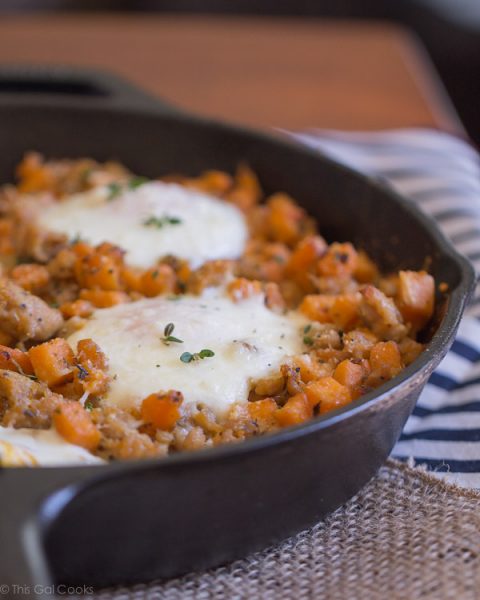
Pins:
x: 405, y: 536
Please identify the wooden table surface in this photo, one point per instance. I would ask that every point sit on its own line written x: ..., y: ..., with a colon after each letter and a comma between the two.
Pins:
x: 261, y: 72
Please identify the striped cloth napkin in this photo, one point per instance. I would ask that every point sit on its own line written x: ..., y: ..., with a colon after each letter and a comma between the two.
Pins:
x: 442, y: 175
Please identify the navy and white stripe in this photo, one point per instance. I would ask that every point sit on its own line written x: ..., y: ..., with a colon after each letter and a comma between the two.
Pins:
x: 442, y: 175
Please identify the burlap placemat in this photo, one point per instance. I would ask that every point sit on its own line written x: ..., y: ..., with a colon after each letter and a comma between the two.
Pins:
x: 405, y: 536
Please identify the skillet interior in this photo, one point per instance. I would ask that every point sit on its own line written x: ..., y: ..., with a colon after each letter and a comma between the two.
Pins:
x: 193, y: 512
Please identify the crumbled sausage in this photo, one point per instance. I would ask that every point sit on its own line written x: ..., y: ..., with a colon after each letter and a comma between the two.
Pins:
x: 24, y: 402
x: 25, y: 316
x: 381, y: 315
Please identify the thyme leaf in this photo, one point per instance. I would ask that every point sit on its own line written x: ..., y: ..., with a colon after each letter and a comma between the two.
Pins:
x: 168, y: 338
x: 114, y: 189
x: 168, y: 329
x: 160, y: 222
x: 188, y: 357
x: 171, y: 338
x: 136, y: 182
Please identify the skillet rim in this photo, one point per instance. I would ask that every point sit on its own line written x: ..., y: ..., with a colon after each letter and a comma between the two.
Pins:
x: 425, y: 363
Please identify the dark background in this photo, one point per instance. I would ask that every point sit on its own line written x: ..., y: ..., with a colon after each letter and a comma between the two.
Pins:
x: 450, y: 29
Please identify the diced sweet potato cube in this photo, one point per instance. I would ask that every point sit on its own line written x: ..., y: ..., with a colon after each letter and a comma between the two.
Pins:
x: 13, y: 359
x: 115, y: 253
x: 416, y: 297
x: 81, y: 249
x: 409, y: 349
x: 98, y: 272
x: 317, y: 307
x: 74, y: 424
x: 53, y: 361
x: 92, y: 365
x: 340, y: 260
x: 296, y: 410
x: 345, y: 310
x: 328, y: 394
x: 31, y: 277
x: 132, y: 279
x: 241, y: 289
x: 162, y: 410
x: 310, y: 368
x: 304, y: 259
x: 34, y: 175
x: 247, y: 190
x: 90, y: 354
x: 158, y: 280
x: 349, y: 373
x: 77, y: 308
x: 385, y: 361
x: 103, y: 298
x: 341, y: 310
x: 263, y: 411
x: 365, y: 270
x: 284, y: 219
x: 212, y: 182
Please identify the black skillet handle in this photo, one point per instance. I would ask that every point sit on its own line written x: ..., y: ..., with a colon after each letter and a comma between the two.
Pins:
x: 55, y: 85
x: 24, y: 492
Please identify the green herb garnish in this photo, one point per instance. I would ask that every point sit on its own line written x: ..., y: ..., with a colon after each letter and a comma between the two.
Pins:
x: 89, y: 405
x: 160, y: 222
x: 114, y: 190
x: 168, y: 338
x: 188, y: 357
x: 136, y: 182
x: 307, y: 340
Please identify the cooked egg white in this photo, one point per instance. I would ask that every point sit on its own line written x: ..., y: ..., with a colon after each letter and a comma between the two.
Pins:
x: 151, y: 221
x: 34, y: 447
x: 249, y: 341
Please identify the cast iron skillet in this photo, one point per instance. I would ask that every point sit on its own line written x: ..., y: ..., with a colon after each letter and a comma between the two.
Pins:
x: 132, y: 522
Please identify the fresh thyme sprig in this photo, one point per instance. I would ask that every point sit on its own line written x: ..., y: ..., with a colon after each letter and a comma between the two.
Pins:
x: 168, y: 338
x: 188, y: 357
x: 136, y: 182
x: 115, y: 188
x: 307, y: 339
x: 160, y: 222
